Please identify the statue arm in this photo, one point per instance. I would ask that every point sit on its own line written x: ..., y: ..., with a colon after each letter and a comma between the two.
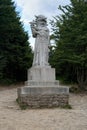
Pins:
x: 34, y: 29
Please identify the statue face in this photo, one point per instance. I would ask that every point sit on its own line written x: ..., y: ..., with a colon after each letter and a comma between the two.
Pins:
x: 41, y: 23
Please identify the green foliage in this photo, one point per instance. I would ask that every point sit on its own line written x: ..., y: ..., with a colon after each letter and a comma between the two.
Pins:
x: 15, y: 51
x: 23, y: 106
x: 68, y: 106
x: 75, y: 89
x: 70, y: 35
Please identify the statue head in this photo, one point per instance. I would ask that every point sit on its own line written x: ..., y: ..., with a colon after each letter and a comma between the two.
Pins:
x: 41, y: 17
x: 41, y: 20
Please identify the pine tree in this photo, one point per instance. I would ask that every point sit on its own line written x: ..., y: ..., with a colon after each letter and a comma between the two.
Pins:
x: 15, y: 51
x: 70, y: 34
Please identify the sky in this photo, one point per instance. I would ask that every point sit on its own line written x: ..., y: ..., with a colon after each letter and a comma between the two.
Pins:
x: 29, y: 8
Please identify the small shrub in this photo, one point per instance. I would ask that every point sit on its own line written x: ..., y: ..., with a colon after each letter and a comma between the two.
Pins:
x: 74, y: 89
x: 23, y: 106
x: 68, y: 106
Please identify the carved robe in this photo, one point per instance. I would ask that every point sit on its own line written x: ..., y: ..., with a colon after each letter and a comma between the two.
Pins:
x: 41, y: 47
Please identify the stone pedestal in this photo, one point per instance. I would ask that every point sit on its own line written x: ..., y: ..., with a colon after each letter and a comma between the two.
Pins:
x: 43, y: 97
x: 41, y: 90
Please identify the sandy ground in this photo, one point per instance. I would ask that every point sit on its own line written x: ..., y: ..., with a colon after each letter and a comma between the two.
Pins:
x: 13, y: 118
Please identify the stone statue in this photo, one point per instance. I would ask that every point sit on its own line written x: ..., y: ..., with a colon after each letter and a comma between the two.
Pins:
x: 41, y: 89
x: 41, y: 71
x: 41, y: 33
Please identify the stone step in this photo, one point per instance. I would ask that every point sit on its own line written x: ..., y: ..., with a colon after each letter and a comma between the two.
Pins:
x: 43, y: 90
x: 41, y: 83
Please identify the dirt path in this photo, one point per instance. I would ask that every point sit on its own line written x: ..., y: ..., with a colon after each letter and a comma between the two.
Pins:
x: 12, y: 118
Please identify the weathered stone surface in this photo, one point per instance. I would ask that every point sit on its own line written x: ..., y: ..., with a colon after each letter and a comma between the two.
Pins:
x: 32, y: 83
x: 44, y: 101
x: 41, y: 74
x: 43, y: 90
x: 43, y: 97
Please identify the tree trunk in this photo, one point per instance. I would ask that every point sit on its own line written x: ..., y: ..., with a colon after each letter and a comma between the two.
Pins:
x: 81, y: 77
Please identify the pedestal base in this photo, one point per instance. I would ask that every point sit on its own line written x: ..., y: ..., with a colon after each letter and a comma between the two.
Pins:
x: 43, y: 97
x: 42, y: 90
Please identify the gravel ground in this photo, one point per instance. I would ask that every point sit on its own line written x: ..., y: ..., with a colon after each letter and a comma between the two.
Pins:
x: 13, y: 118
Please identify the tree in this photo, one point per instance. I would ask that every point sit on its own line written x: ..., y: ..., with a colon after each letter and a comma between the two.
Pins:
x: 15, y: 50
x: 70, y: 34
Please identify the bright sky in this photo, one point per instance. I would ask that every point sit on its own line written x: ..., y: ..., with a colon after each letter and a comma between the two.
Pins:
x: 29, y: 8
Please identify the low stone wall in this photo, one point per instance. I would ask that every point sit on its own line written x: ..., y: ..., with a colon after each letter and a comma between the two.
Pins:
x: 44, y: 101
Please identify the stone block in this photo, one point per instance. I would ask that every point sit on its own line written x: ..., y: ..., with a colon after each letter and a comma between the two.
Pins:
x: 34, y: 83
x: 41, y: 74
x: 43, y: 97
x: 43, y: 90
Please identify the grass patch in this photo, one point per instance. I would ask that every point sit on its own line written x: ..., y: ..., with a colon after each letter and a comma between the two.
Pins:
x: 67, y: 106
x: 23, y: 106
